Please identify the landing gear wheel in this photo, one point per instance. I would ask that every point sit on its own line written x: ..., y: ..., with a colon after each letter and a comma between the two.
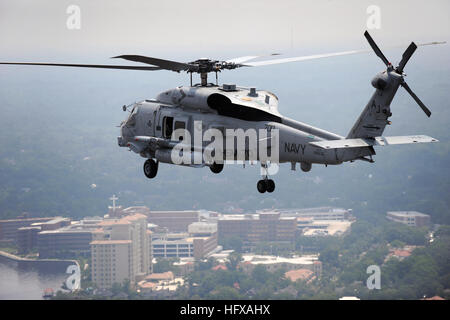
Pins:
x: 261, y: 186
x: 216, y: 167
x: 265, y: 185
x: 150, y: 168
x: 270, y: 185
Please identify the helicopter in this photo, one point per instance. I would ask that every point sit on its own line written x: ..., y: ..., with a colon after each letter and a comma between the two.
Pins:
x: 161, y: 129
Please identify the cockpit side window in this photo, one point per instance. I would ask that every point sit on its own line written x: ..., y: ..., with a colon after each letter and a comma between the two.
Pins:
x: 168, y: 127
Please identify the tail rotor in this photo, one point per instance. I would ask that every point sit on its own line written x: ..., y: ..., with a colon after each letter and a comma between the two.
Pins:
x: 399, y: 70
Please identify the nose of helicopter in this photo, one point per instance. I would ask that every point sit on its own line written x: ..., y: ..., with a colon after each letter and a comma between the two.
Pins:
x: 125, y: 135
x: 127, y: 127
x: 121, y: 141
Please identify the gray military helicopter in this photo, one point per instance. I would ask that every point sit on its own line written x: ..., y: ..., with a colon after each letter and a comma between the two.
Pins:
x: 150, y: 127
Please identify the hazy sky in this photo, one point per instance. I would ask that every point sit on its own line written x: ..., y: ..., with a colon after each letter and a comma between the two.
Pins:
x: 32, y: 28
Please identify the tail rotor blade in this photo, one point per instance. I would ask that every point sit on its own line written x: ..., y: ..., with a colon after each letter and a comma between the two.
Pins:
x: 376, y: 49
x: 416, y: 98
x: 405, y: 57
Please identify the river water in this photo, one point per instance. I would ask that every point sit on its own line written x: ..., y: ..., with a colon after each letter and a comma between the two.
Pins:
x: 26, y: 285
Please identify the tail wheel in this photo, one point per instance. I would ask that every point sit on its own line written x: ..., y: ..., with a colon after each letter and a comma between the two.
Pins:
x: 216, y: 167
x: 150, y: 168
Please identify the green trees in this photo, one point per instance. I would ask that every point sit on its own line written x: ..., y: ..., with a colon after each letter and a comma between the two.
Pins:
x: 330, y: 256
x: 273, y: 248
x: 232, y: 243
x: 164, y: 265
x: 235, y: 284
x: 234, y: 260
x: 424, y: 273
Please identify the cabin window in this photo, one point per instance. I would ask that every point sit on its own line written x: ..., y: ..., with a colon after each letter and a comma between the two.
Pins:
x: 180, y: 125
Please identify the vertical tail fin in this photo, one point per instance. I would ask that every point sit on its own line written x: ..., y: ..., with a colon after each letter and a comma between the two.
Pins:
x: 374, y: 118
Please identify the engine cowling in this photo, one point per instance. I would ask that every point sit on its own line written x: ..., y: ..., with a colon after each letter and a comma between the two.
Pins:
x: 381, y: 81
x: 165, y: 156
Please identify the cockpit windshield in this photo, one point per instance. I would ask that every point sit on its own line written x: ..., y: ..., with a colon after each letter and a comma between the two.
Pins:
x: 131, y: 121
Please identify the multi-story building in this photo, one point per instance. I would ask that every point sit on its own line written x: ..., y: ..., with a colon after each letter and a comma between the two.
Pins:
x: 410, y: 218
x: 119, y: 212
x: 174, y: 221
x: 202, y: 229
x: 10, y: 227
x: 204, y: 245
x: 55, y: 223
x: 65, y: 242
x: 69, y: 241
x: 321, y: 213
x: 130, y: 236
x: 173, y: 246
x: 112, y: 262
x: 184, y: 245
x: 27, y: 239
x: 253, y: 229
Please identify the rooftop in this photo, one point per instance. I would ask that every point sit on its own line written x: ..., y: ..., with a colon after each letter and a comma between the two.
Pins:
x: 221, y: 256
x: 332, y: 227
x: 250, y: 217
x: 124, y: 220
x: 25, y: 219
x: 307, y: 210
x: 134, y: 217
x: 434, y: 298
x: 260, y: 259
x: 401, y: 253
x: 30, y: 228
x: 111, y: 242
x: 69, y: 229
x: 299, y: 274
x: 184, y: 261
x: 111, y: 222
x: 136, y: 209
x: 408, y: 214
x: 147, y: 285
x: 349, y: 298
x: 176, y: 212
x: 219, y: 267
x: 172, y: 241
x: 160, y: 276
x: 55, y: 220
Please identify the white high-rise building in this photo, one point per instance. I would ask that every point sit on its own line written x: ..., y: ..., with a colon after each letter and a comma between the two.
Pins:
x: 121, y: 250
x: 111, y: 262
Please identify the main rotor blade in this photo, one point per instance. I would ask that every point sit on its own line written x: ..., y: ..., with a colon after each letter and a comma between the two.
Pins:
x: 302, y: 58
x: 416, y: 98
x: 431, y: 43
x: 319, y: 56
x: 164, y: 64
x: 247, y: 58
x: 405, y: 57
x: 375, y: 48
x: 241, y: 59
x: 101, y: 66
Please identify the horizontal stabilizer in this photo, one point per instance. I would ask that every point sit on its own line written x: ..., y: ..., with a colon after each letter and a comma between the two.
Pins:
x: 367, y: 142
